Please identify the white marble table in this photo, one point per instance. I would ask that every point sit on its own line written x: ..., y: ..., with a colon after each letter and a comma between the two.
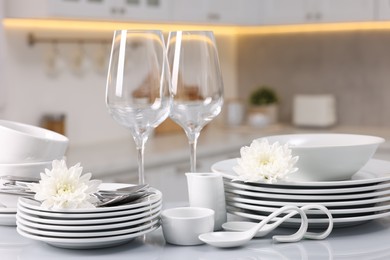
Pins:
x: 367, y: 241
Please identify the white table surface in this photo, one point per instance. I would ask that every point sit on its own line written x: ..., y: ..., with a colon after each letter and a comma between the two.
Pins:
x: 370, y: 240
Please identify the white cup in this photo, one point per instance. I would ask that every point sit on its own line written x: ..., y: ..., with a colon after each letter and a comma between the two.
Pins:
x: 206, y: 190
x: 182, y: 226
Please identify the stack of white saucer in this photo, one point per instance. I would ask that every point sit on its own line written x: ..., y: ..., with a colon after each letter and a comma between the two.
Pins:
x: 26, y: 151
x: 89, y: 228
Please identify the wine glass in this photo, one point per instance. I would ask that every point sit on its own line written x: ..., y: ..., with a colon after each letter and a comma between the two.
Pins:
x: 138, y: 85
x: 197, y: 86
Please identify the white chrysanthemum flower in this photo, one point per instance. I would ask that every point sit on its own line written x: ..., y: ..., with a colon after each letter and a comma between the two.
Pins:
x: 264, y: 162
x: 63, y: 188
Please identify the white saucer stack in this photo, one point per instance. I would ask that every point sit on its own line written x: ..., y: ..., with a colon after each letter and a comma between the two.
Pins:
x: 89, y: 228
x: 365, y: 197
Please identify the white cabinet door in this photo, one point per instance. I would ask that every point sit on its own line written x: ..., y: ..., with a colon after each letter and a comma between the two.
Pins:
x: 217, y: 11
x: 318, y: 11
x: 383, y: 9
x: 284, y: 11
x: 347, y: 10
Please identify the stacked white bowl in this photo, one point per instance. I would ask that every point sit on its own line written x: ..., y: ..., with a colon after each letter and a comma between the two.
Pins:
x: 25, y: 150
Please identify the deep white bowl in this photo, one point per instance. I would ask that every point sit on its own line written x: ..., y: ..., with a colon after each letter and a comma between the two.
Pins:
x: 182, y: 226
x: 22, y: 143
x: 328, y: 156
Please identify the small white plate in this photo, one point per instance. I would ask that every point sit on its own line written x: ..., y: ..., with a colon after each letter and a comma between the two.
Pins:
x: 7, y: 220
x: 312, y: 197
x: 29, y: 206
x: 296, y: 190
x: 375, y: 171
x: 72, y: 234
x: 87, y: 243
x: 93, y: 221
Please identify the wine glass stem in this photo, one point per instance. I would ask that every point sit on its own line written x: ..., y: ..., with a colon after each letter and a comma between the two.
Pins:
x: 193, y: 154
x: 140, y: 151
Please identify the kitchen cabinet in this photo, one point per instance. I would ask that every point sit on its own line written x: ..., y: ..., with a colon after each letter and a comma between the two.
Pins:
x: 383, y: 10
x: 317, y: 11
x: 244, y: 12
x: 129, y: 10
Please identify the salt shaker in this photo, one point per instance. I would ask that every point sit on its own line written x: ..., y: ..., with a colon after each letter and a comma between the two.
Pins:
x: 206, y: 190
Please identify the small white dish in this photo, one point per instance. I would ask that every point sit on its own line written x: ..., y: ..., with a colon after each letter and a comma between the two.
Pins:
x: 182, y: 226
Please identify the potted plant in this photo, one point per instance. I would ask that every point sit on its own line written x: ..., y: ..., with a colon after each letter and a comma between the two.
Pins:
x: 263, y: 108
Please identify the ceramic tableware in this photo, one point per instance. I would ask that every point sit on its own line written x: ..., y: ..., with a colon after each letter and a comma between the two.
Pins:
x: 182, y: 226
x: 328, y: 156
x: 235, y: 239
x: 206, y: 190
x: 27, y: 143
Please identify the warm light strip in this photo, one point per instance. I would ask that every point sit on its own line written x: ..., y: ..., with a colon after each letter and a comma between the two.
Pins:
x: 106, y: 26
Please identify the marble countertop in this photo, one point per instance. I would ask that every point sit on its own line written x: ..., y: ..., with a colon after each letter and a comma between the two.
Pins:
x: 366, y: 241
x: 120, y: 155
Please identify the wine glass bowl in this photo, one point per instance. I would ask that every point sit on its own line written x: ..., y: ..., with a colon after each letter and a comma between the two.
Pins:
x: 138, y: 85
x: 197, y: 85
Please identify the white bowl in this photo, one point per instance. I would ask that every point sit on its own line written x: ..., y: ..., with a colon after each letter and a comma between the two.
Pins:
x: 328, y: 157
x: 23, y: 143
x: 24, y: 169
x: 21, y: 169
x: 182, y: 226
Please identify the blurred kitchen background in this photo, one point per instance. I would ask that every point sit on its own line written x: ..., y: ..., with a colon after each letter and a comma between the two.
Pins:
x: 335, y: 53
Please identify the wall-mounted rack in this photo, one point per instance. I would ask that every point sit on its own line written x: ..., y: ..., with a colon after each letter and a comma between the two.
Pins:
x: 33, y: 39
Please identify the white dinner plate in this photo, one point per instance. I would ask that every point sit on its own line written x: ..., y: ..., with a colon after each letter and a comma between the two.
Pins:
x: 340, y: 221
x: 312, y: 197
x: 86, y: 243
x: 72, y: 222
x: 296, y: 190
x: 77, y: 234
x: 29, y: 206
x: 80, y: 228
x: 334, y: 212
x: 106, y: 186
x: 277, y: 203
x: 375, y: 171
x: 7, y: 219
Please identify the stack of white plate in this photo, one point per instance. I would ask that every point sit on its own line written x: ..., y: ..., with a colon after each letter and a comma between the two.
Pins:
x: 365, y: 197
x: 89, y: 228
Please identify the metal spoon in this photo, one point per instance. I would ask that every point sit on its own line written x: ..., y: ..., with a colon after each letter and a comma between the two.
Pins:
x: 235, y: 239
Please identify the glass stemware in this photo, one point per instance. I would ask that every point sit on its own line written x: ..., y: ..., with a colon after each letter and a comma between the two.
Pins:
x: 138, y: 85
x: 197, y: 86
